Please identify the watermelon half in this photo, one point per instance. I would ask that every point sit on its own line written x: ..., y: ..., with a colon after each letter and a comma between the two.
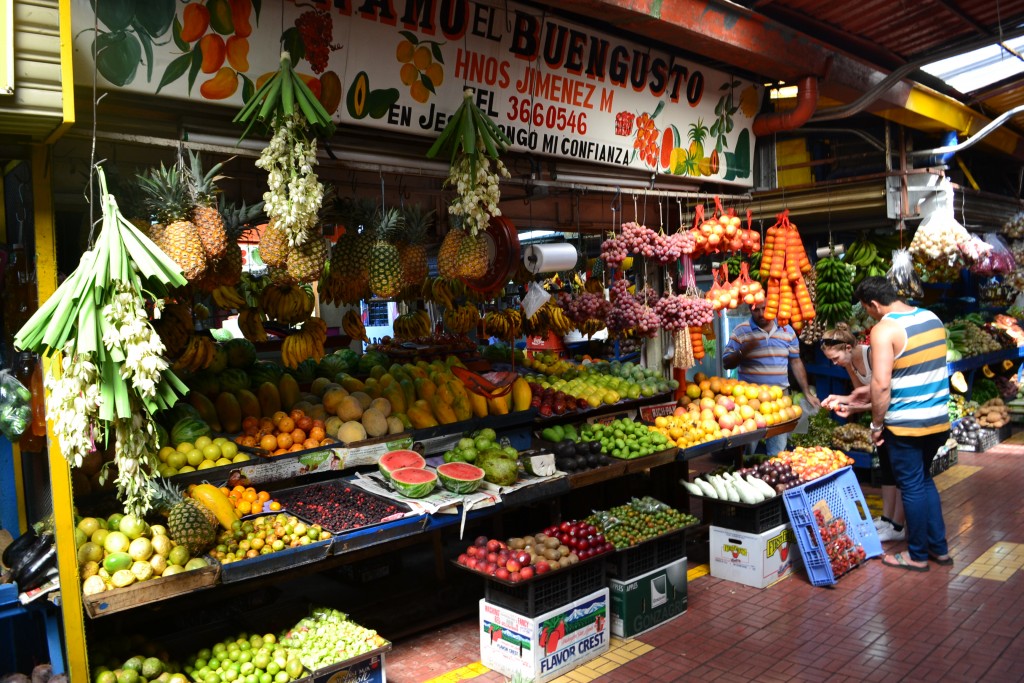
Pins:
x: 460, y: 477
x: 393, y: 460
x: 413, y: 482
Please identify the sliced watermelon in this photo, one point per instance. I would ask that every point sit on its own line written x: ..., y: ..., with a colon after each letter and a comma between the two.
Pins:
x: 393, y: 460
x: 413, y: 482
x: 460, y: 477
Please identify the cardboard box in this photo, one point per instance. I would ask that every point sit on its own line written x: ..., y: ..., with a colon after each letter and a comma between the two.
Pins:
x: 757, y: 560
x: 366, y: 671
x: 547, y: 646
x: 648, y: 600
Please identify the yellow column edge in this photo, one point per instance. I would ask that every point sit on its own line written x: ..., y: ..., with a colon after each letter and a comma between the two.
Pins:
x: 60, y: 472
x: 67, y: 72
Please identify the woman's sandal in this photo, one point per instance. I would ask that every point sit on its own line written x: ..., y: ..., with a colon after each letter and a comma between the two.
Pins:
x: 946, y: 561
x: 902, y: 563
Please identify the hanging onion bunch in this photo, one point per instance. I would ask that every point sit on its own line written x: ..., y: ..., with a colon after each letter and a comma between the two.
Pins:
x: 292, y: 111
x: 111, y: 373
x: 473, y: 141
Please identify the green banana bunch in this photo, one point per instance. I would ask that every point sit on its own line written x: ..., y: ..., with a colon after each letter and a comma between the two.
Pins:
x: 833, y: 291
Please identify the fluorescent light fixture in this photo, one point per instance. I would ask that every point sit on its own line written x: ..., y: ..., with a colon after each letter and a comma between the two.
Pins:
x: 224, y: 141
x: 785, y: 92
x: 537, y: 234
x: 977, y: 69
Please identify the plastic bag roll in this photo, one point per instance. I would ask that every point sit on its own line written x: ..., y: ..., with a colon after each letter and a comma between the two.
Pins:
x: 549, y: 258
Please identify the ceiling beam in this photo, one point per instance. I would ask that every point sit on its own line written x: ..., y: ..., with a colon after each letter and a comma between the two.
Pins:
x: 730, y: 34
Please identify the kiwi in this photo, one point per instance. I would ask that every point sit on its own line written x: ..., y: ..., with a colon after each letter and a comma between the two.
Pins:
x: 551, y: 542
x: 564, y: 562
x: 552, y: 554
x: 573, y: 558
x: 564, y: 550
x: 529, y: 540
x: 516, y: 543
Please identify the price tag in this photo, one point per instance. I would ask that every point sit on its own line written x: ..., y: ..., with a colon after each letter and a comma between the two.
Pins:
x: 649, y: 413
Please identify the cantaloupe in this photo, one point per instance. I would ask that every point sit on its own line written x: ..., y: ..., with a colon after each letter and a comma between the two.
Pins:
x: 351, y: 432
x: 350, y: 409
x: 374, y: 423
x: 395, y: 425
x: 364, y: 399
x: 382, y: 405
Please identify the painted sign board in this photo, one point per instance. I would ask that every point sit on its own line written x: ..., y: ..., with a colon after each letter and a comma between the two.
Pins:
x: 556, y: 87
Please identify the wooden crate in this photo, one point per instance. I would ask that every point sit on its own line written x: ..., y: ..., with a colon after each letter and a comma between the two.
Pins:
x: 154, y: 590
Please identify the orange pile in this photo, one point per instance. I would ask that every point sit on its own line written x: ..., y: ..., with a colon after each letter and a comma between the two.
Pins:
x: 247, y: 500
x: 283, y: 433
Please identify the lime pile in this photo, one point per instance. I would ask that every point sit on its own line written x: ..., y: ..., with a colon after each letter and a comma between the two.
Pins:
x: 626, y: 439
x: 202, y: 454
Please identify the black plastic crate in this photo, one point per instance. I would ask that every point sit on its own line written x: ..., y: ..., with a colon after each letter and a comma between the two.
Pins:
x: 549, y: 591
x: 639, y: 559
x: 754, y: 519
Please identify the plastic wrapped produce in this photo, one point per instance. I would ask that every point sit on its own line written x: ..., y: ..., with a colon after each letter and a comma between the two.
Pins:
x: 936, y: 248
x: 903, y: 277
x: 15, y: 410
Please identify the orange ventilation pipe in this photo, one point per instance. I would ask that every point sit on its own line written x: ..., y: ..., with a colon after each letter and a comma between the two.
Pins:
x: 777, y: 121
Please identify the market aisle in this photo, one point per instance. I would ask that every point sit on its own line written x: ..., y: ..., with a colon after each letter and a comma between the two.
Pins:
x: 961, y: 623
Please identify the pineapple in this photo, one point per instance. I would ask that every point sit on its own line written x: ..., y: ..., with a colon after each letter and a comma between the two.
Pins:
x: 385, y: 262
x: 472, y: 257
x: 237, y: 221
x: 189, y: 522
x: 167, y: 199
x: 205, y: 213
x: 305, y: 263
x: 413, y: 252
x: 274, y: 245
x: 448, y: 256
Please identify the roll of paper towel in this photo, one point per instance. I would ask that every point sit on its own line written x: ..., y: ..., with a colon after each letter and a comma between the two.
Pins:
x: 549, y: 258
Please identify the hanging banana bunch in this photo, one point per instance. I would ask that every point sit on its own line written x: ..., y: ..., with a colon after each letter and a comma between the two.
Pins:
x: 307, y: 343
x: 462, y: 319
x: 549, y: 318
x: 352, y: 324
x: 288, y: 304
x: 412, y: 325
x: 833, y: 290
x: 250, y: 322
x: 506, y: 325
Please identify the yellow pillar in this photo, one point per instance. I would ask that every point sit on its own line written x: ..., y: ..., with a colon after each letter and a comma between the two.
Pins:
x: 60, y: 471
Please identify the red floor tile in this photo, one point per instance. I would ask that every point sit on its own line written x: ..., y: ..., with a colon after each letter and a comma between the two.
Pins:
x: 876, y: 624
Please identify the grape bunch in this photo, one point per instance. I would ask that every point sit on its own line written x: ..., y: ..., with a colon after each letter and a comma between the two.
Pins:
x: 624, y: 123
x: 613, y: 252
x: 646, y: 296
x: 637, y: 239
x: 628, y: 313
x: 316, y: 29
x: 686, y: 241
x: 680, y: 312
x: 648, y: 322
x: 587, y: 306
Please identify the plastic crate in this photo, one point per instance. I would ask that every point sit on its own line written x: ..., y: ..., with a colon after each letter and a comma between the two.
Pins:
x: 639, y: 559
x: 753, y: 519
x: 550, y: 591
x: 989, y: 438
x: 841, y: 492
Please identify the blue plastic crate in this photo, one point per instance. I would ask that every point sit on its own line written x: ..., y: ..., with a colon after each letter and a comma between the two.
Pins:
x: 841, y: 492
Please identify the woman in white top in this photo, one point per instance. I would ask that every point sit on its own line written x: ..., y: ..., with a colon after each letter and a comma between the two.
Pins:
x: 841, y: 347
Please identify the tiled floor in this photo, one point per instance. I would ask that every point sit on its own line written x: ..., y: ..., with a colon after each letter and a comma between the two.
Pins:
x: 960, y: 623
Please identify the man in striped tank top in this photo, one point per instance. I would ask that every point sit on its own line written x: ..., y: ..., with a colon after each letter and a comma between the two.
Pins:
x: 909, y: 392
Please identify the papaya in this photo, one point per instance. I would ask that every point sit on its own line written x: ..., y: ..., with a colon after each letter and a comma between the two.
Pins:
x: 351, y: 384
x: 442, y: 410
x: 478, y: 403
x: 409, y: 389
x: 397, y: 370
x: 457, y: 388
x: 454, y: 360
x: 378, y: 371
x: 444, y: 393
x: 371, y: 387
x: 463, y: 408
x: 229, y: 411
x: 425, y: 389
x: 396, y: 397
x: 420, y: 416
x: 415, y: 371
x: 521, y: 394
x: 249, y: 404
x: 270, y: 399
x: 288, y: 391
x: 404, y: 419
x: 385, y: 381
x: 207, y: 411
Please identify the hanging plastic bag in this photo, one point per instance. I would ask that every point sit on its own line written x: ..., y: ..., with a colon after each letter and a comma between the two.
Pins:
x: 998, y: 259
x: 700, y: 240
x: 15, y: 409
x: 902, y: 276
x: 722, y: 294
x: 750, y: 291
x: 935, y: 248
x: 750, y: 239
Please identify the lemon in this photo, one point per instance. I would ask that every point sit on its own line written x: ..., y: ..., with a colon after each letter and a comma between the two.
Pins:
x: 186, y: 468
x: 202, y: 442
x: 185, y: 447
x: 206, y: 464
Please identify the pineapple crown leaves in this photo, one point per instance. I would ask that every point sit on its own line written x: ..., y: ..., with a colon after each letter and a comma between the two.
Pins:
x: 239, y: 217
x: 418, y: 222
x: 388, y: 224
x: 166, y: 192
x: 165, y: 495
x: 203, y: 186
x: 357, y: 214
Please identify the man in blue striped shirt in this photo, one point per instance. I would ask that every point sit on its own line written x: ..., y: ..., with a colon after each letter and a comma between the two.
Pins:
x: 764, y: 352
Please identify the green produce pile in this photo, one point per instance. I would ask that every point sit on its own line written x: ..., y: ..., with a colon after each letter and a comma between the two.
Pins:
x: 984, y: 389
x: 639, y: 520
x: 625, y: 439
x: 324, y: 638
x: 819, y: 431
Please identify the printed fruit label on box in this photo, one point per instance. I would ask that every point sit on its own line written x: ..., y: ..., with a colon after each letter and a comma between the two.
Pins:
x: 545, y: 646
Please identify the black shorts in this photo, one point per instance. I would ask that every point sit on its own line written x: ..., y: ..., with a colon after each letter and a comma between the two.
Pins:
x: 886, y: 477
